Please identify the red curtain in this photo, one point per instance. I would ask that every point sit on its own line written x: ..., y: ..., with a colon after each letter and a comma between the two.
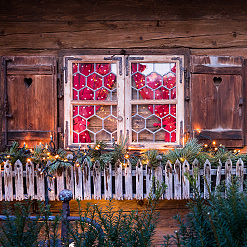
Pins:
x: 96, y: 89
x: 156, y: 90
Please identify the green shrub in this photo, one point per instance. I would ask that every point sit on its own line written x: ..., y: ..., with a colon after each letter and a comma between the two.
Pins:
x: 219, y: 221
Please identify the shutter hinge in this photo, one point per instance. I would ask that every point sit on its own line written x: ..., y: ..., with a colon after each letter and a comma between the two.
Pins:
x: 116, y: 59
x: 127, y: 59
x: 187, y: 77
x: 65, y: 68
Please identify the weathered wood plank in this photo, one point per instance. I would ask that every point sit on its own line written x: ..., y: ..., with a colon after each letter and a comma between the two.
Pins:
x: 128, y: 181
x: 139, y: 180
x: 8, y: 182
x: 207, y: 178
x: 149, y: 179
x: 201, y: 69
x: 177, y: 181
x: 86, y: 172
x: 40, y: 183
x: 108, y: 181
x: 78, y: 181
x: 97, y: 180
x: 51, y: 186
x: 30, y: 179
x: 19, y: 189
x: 118, y: 181
x: 1, y: 184
x: 240, y: 173
x: 185, y: 180
x: 168, y: 181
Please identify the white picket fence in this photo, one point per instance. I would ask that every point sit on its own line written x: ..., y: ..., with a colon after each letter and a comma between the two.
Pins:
x: 121, y: 181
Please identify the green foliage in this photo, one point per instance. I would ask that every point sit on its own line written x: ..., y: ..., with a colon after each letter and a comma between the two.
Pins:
x: 119, y: 229
x: 152, y: 157
x: 16, y: 153
x: 19, y: 230
x: 219, y: 221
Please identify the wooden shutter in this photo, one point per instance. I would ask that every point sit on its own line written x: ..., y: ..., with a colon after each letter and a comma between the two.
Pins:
x: 217, y: 99
x: 28, y: 99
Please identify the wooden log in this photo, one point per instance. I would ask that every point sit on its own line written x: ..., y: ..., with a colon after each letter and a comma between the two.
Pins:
x: 228, y: 172
x: 139, y: 180
x: 60, y: 180
x: 108, y: 181
x: 97, y: 180
x: 86, y: 172
x: 207, y: 179
x: 78, y: 181
x: 30, y: 179
x: 177, y: 180
x: 118, y: 181
x: 240, y: 173
x: 149, y: 179
x: 218, y: 176
x: 168, y: 181
x: 19, y: 189
x: 196, y: 173
x: 8, y: 182
x: 158, y: 173
x: 128, y: 181
x: 40, y: 183
x: 185, y: 180
x: 69, y: 174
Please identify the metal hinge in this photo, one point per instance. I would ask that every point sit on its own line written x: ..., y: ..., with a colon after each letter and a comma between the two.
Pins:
x: 65, y: 68
x: 180, y: 66
x: 187, y: 77
x: 116, y: 59
x: 127, y: 59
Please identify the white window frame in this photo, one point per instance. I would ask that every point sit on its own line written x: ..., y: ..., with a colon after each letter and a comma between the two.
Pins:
x: 124, y: 102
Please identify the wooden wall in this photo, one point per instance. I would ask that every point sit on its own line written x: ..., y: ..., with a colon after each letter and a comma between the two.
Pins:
x: 58, y: 28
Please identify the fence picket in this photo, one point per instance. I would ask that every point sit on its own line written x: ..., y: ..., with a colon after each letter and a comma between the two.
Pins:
x: 118, y: 181
x: 139, y: 180
x: 30, y: 179
x: 128, y: 181
x: 177, y: 180
x: 69, y: 174
x: 40, y: 183
x: 19, y: 189
x: 218, y: 176
x: 78, y: 181
x: 196, y: 173
x: 97, y: 180
x: 168, y: 181
x: 108, y: 181
x: 149, y: 178
x: 185, y: 180
x: 240, y: 173
x: 51, y: 186
x: 8, y: 181
x: 158, y: 173
x: 207, y: 178
x: 60, y: 181
x: 86, y: 172
x: 228, y: 172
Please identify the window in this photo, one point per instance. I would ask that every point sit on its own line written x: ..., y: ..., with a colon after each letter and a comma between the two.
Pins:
x: 138, y: 96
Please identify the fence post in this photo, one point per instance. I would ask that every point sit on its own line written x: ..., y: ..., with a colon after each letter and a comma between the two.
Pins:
x: 65, y: 196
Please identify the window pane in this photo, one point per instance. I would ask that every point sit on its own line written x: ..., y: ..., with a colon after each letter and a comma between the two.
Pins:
x: 91, y: 123
x: 94, y: 81
x: 152, y: 123
x: 153, y: 80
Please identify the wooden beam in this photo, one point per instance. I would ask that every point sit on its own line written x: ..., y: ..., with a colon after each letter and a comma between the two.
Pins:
x: 228, y: 70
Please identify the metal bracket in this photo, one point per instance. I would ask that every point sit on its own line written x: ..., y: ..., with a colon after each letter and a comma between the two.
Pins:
x: 116, y: 59
x: 181, y: 67
x: 187, y: 78
x: 65, y: 68
x: 127, y: 59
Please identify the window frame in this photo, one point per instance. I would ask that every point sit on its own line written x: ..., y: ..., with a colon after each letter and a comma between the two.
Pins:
x: 124, y: 102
